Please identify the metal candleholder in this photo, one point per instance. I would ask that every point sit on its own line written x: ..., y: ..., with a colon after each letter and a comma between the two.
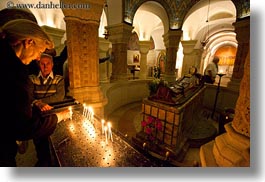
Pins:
x: 217, y: 92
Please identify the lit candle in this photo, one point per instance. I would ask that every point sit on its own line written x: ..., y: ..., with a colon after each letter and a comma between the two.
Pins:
x: 90, y: 111
x: 70, y: 113
x: 110, y: 132
x: 84, y: 109
x: 86, y: 114
x: 102, y: 126
x: 92, y: 117
x: 106, y: 137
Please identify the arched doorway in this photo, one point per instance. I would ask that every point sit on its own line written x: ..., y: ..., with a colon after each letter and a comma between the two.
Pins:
x: 210, y: 23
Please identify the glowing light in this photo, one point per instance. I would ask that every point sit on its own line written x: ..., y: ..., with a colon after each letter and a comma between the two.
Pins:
x: 102, y: 126
x: 89, y: 128
x: 72, y: 127
x: 84, y: 109
x: 106, y: 134
x: 109, y: 131
x: 70, y: 113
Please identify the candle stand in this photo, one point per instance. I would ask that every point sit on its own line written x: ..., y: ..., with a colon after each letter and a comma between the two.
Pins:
x: 81, y: 143
x: 217, y: 92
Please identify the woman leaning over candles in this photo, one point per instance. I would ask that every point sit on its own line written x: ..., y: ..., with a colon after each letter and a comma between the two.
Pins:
x: 21, y: 41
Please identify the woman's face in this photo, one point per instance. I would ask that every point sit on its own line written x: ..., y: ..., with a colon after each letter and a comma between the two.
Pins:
x: 32, y: 52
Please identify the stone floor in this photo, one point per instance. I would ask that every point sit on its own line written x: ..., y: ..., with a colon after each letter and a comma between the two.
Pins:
x: 126, y: 120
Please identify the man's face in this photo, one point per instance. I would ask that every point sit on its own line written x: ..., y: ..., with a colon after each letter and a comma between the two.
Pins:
x: 46, y: 65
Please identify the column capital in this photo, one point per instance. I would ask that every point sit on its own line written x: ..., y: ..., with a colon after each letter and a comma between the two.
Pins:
x: 188, y: 46
x: 103, y: 44
x: 119, y: 33
x: 242, y: 28
x: 89, y: 10
x: 144, y: 46
x: 172, y: 38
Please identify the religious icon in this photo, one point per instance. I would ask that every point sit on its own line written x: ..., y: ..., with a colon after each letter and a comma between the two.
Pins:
x: 136, y: 58
x: 161, y: 60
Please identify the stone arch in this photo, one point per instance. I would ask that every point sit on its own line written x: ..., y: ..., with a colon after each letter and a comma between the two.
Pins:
x: 135, y: 5
x: 214, y: 45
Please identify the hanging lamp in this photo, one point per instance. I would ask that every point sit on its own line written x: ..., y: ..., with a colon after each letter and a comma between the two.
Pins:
x: 106, y: 8
x: 206, y: 40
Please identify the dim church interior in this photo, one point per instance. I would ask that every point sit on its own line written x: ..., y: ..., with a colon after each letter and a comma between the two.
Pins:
x: 207, y: 28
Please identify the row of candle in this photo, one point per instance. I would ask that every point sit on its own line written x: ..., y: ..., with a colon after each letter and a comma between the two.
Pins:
x: 88, y: 113
x: 106, y: 130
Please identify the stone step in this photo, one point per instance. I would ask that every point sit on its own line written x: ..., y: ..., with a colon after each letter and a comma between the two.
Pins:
x: 229, y: 155
x: 236, y: 139
x: 206, y: 155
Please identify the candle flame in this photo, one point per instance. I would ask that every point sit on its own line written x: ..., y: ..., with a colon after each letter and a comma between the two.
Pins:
x: 90, y: 109
x: 72, y: 127
x: 109, y: 124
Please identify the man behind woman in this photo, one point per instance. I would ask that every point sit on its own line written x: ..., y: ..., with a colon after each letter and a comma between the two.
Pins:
x: 47, y: 86
x: 21, y: 41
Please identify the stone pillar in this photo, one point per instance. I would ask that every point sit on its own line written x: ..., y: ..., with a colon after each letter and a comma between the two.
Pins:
x: 171, y: 40
x: 198, y: 59
x: 191, y: 56
x: 119, y: 37
x: 232, y: 149
x: 241, y: 121
x: 82, y: 41
x: 144, y: 47
x: 103, y: 67
x: 242, y: 30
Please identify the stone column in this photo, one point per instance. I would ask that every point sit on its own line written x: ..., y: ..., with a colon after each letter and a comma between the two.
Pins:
x: 232, y: 149
x: 241, y: 121
x: 171, y: 40
x: 82, y: 41
x: 56, y: 35
x: 119, y: 37
x: 103, y: 67
x: 242, y: 29
x: 144, y: 47
x: 191, y: 56
x: 198, y: 59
